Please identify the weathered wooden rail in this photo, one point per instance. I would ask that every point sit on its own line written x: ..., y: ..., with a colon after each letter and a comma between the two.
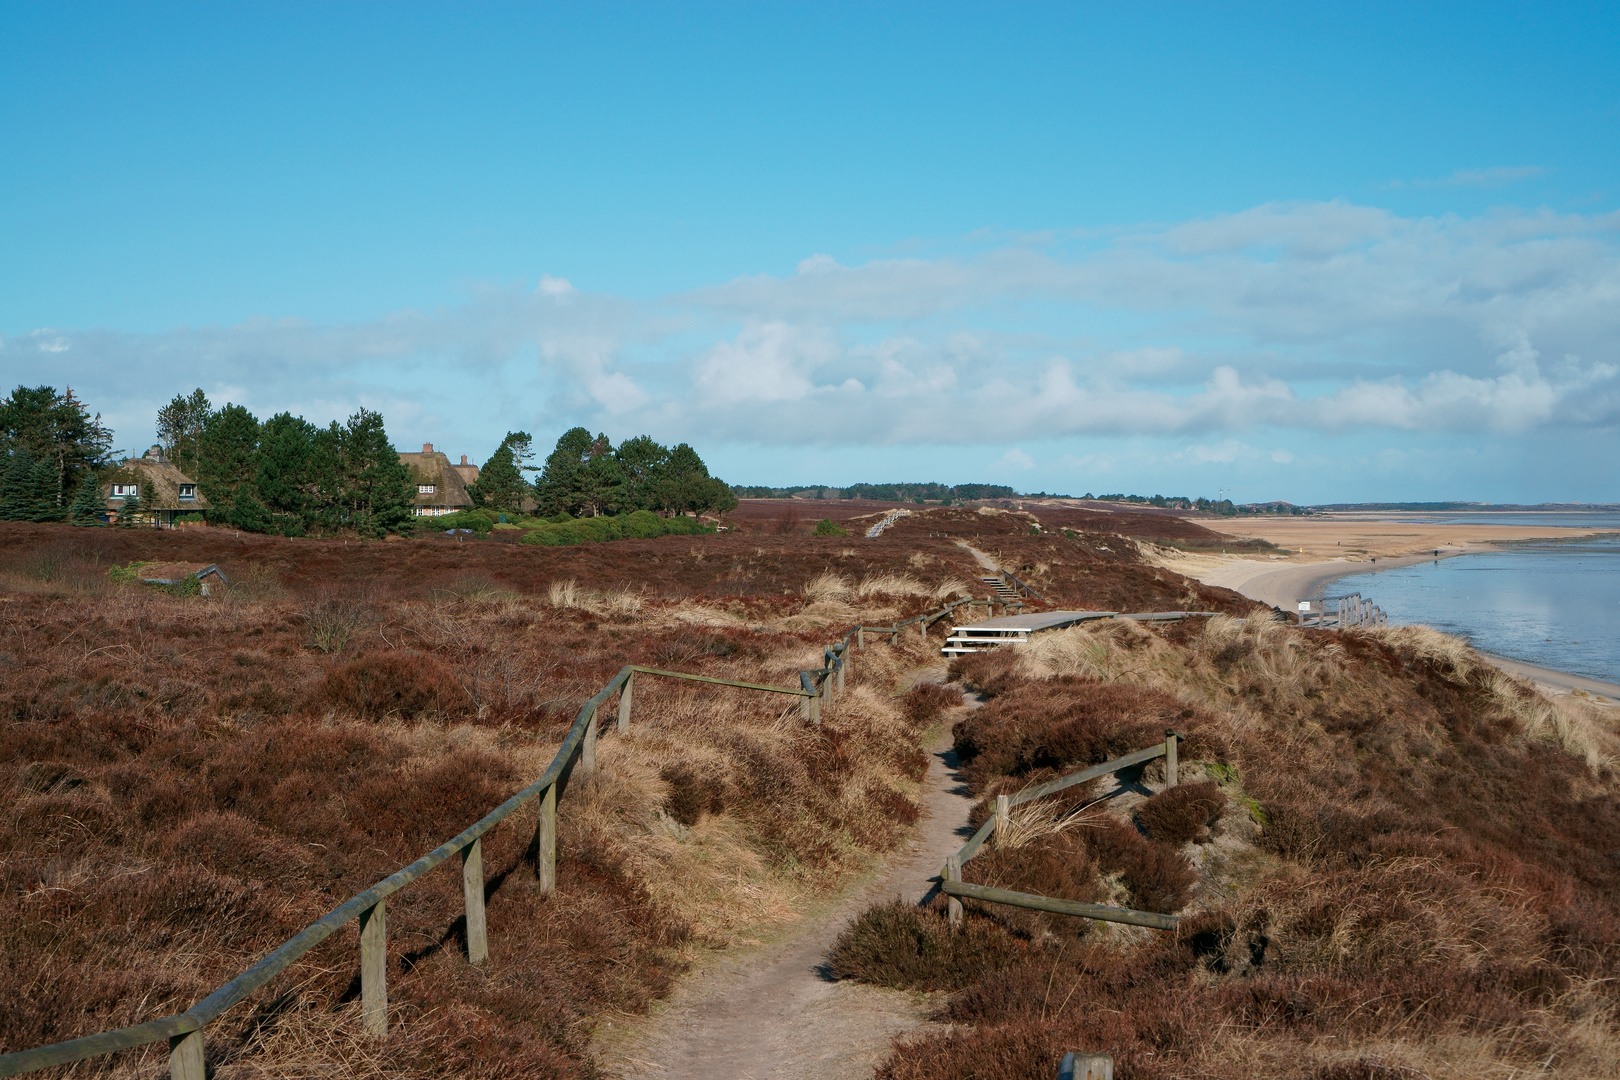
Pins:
x: 576, y: 755
x: 952, y: 885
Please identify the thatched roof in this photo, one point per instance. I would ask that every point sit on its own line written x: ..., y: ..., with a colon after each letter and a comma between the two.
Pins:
x: 433, y: 467
x: 159, y: 483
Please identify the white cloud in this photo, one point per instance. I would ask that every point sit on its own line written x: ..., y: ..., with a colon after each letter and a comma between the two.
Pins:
x: 1298, y: 316
x: 1013, y: 459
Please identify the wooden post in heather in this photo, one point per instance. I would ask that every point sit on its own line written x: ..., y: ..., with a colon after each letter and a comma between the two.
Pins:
x: 807, y: 710
x: 625, y: 694
x: 472, y: 895
x: 1003, y: 819
x: 186, y: 1057
x: 842, y: 660
x: 953, y: 907
x: 587, y: 746
x: 545, y: 842
x: 1169, y: 759
x: 860, y: 637
x: 374, y: 969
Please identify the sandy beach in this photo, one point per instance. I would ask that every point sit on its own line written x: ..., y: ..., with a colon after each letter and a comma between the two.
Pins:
x: 1318, y: 550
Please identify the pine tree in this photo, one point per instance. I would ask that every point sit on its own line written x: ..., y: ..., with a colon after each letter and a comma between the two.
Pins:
x: 16, y: 486
x: 285, y: 482
x: 58, y: 430
x: 229, y: 453
x: 500, y: 484
x: 87, y: 504
x: 180, y: 426
x: 687, y: 487
x: 600, y: 481
x: 643, y: 463
x: 127, y: 512
x: 371, y: 488
x: 557, y: 490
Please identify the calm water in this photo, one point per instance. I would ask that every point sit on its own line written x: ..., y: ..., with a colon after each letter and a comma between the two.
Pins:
x: 1552, y: 604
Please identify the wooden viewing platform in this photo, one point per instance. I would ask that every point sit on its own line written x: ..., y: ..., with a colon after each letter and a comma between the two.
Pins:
x: 1017, y: 629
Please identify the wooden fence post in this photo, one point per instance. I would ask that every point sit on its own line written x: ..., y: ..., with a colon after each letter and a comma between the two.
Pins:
x: 545, y: 841
x: 807, y: 709
x: 186, y: 1057
x: 860, y: 637
x: 587, y: 747
x: 815, y: 710
x: 842, y: 660
x: 1169, y: 759
x: 374, y: 969
x: 472, y: 894
x: 1086, y: 1067
x: 625, y: 694
x: 1003, y: 819
x: 953, y: 907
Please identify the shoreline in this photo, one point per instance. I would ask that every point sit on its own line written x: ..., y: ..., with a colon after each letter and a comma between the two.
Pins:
x: 1282, y: 584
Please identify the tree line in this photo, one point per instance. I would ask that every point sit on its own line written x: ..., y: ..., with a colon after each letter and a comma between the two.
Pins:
x: 287, y: 475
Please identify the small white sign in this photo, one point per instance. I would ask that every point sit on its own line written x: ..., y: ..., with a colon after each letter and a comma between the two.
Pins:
x: 1304, y: 605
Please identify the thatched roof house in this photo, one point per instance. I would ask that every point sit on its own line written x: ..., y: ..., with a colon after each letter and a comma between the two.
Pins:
x: 467, y: 470
x: 158, y: 490
x: 440, y: 488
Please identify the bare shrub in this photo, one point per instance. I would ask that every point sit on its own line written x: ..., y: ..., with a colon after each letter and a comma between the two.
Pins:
x: 990, y: 673
x: 332, y: 621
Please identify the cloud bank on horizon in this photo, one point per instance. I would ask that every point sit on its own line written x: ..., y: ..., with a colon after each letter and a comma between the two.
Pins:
x: 1314, y: 350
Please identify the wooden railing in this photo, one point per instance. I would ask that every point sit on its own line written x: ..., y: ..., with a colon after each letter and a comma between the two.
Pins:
x: 577, y: 755
x: 952, y: 885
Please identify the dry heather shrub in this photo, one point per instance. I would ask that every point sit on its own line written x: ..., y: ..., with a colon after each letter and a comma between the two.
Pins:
x: 394, y: 684
x: 909, y: 948
x: 691, y: 793
x: 924, y: 702
x: 990, y: 673
x: 1068, y: 722
x: 1059, y: 864
x: 826, y: 586
x: 1186, y: 812
x: 891, y: 584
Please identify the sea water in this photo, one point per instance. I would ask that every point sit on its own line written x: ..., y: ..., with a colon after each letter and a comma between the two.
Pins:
x: 1554, y: 604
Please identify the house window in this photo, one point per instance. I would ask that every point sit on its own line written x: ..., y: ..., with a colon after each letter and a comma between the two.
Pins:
x: 126, y: 491
x: 188, y: 491
x: 426, y: 489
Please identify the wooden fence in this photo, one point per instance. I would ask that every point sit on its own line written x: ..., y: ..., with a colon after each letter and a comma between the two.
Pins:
x: 952, y: 885
x: 577, y: 755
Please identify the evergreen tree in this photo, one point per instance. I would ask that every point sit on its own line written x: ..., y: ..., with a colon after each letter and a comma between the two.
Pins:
x: 180, y: 426
x: 599, y: 482
x: 500, y: 484
x: 370, y: 488
x: 58, y: 430
x: 643, y: 463
x: 687, y: 487
x: 247, y: 512
x: 127, y: 512
x: 556, y: 492
x: 44, y: 501
x: 229, y: 453
x: 87, y: 504
x: 285, y: 483
x: 17, y: 487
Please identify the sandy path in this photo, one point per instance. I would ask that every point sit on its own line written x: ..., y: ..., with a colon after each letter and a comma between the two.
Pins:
x: 775, y: 1012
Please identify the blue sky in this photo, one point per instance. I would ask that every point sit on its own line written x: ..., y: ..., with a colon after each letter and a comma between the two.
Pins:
x: 1291, y: 251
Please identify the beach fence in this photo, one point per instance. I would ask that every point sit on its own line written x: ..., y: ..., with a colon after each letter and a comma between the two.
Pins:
x: 1341, y: 613
x: 576, y: 758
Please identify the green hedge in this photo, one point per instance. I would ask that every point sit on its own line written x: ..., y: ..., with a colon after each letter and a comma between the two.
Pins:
x: 641, y: 525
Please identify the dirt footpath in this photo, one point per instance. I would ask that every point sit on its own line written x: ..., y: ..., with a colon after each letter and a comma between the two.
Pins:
x: 776, y: 1012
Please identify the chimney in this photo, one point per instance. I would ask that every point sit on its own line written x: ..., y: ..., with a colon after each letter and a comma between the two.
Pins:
x: 464, y: 459
x: 427, y: 448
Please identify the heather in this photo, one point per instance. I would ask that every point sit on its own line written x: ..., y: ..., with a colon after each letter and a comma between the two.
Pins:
x: 1389, y: 858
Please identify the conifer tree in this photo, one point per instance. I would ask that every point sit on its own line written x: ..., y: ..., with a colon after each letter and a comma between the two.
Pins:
x: 58, y: 430
x: 87, y: 505
x: 180, y: 426
x: 228, y: 450
x: 500, y: 484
